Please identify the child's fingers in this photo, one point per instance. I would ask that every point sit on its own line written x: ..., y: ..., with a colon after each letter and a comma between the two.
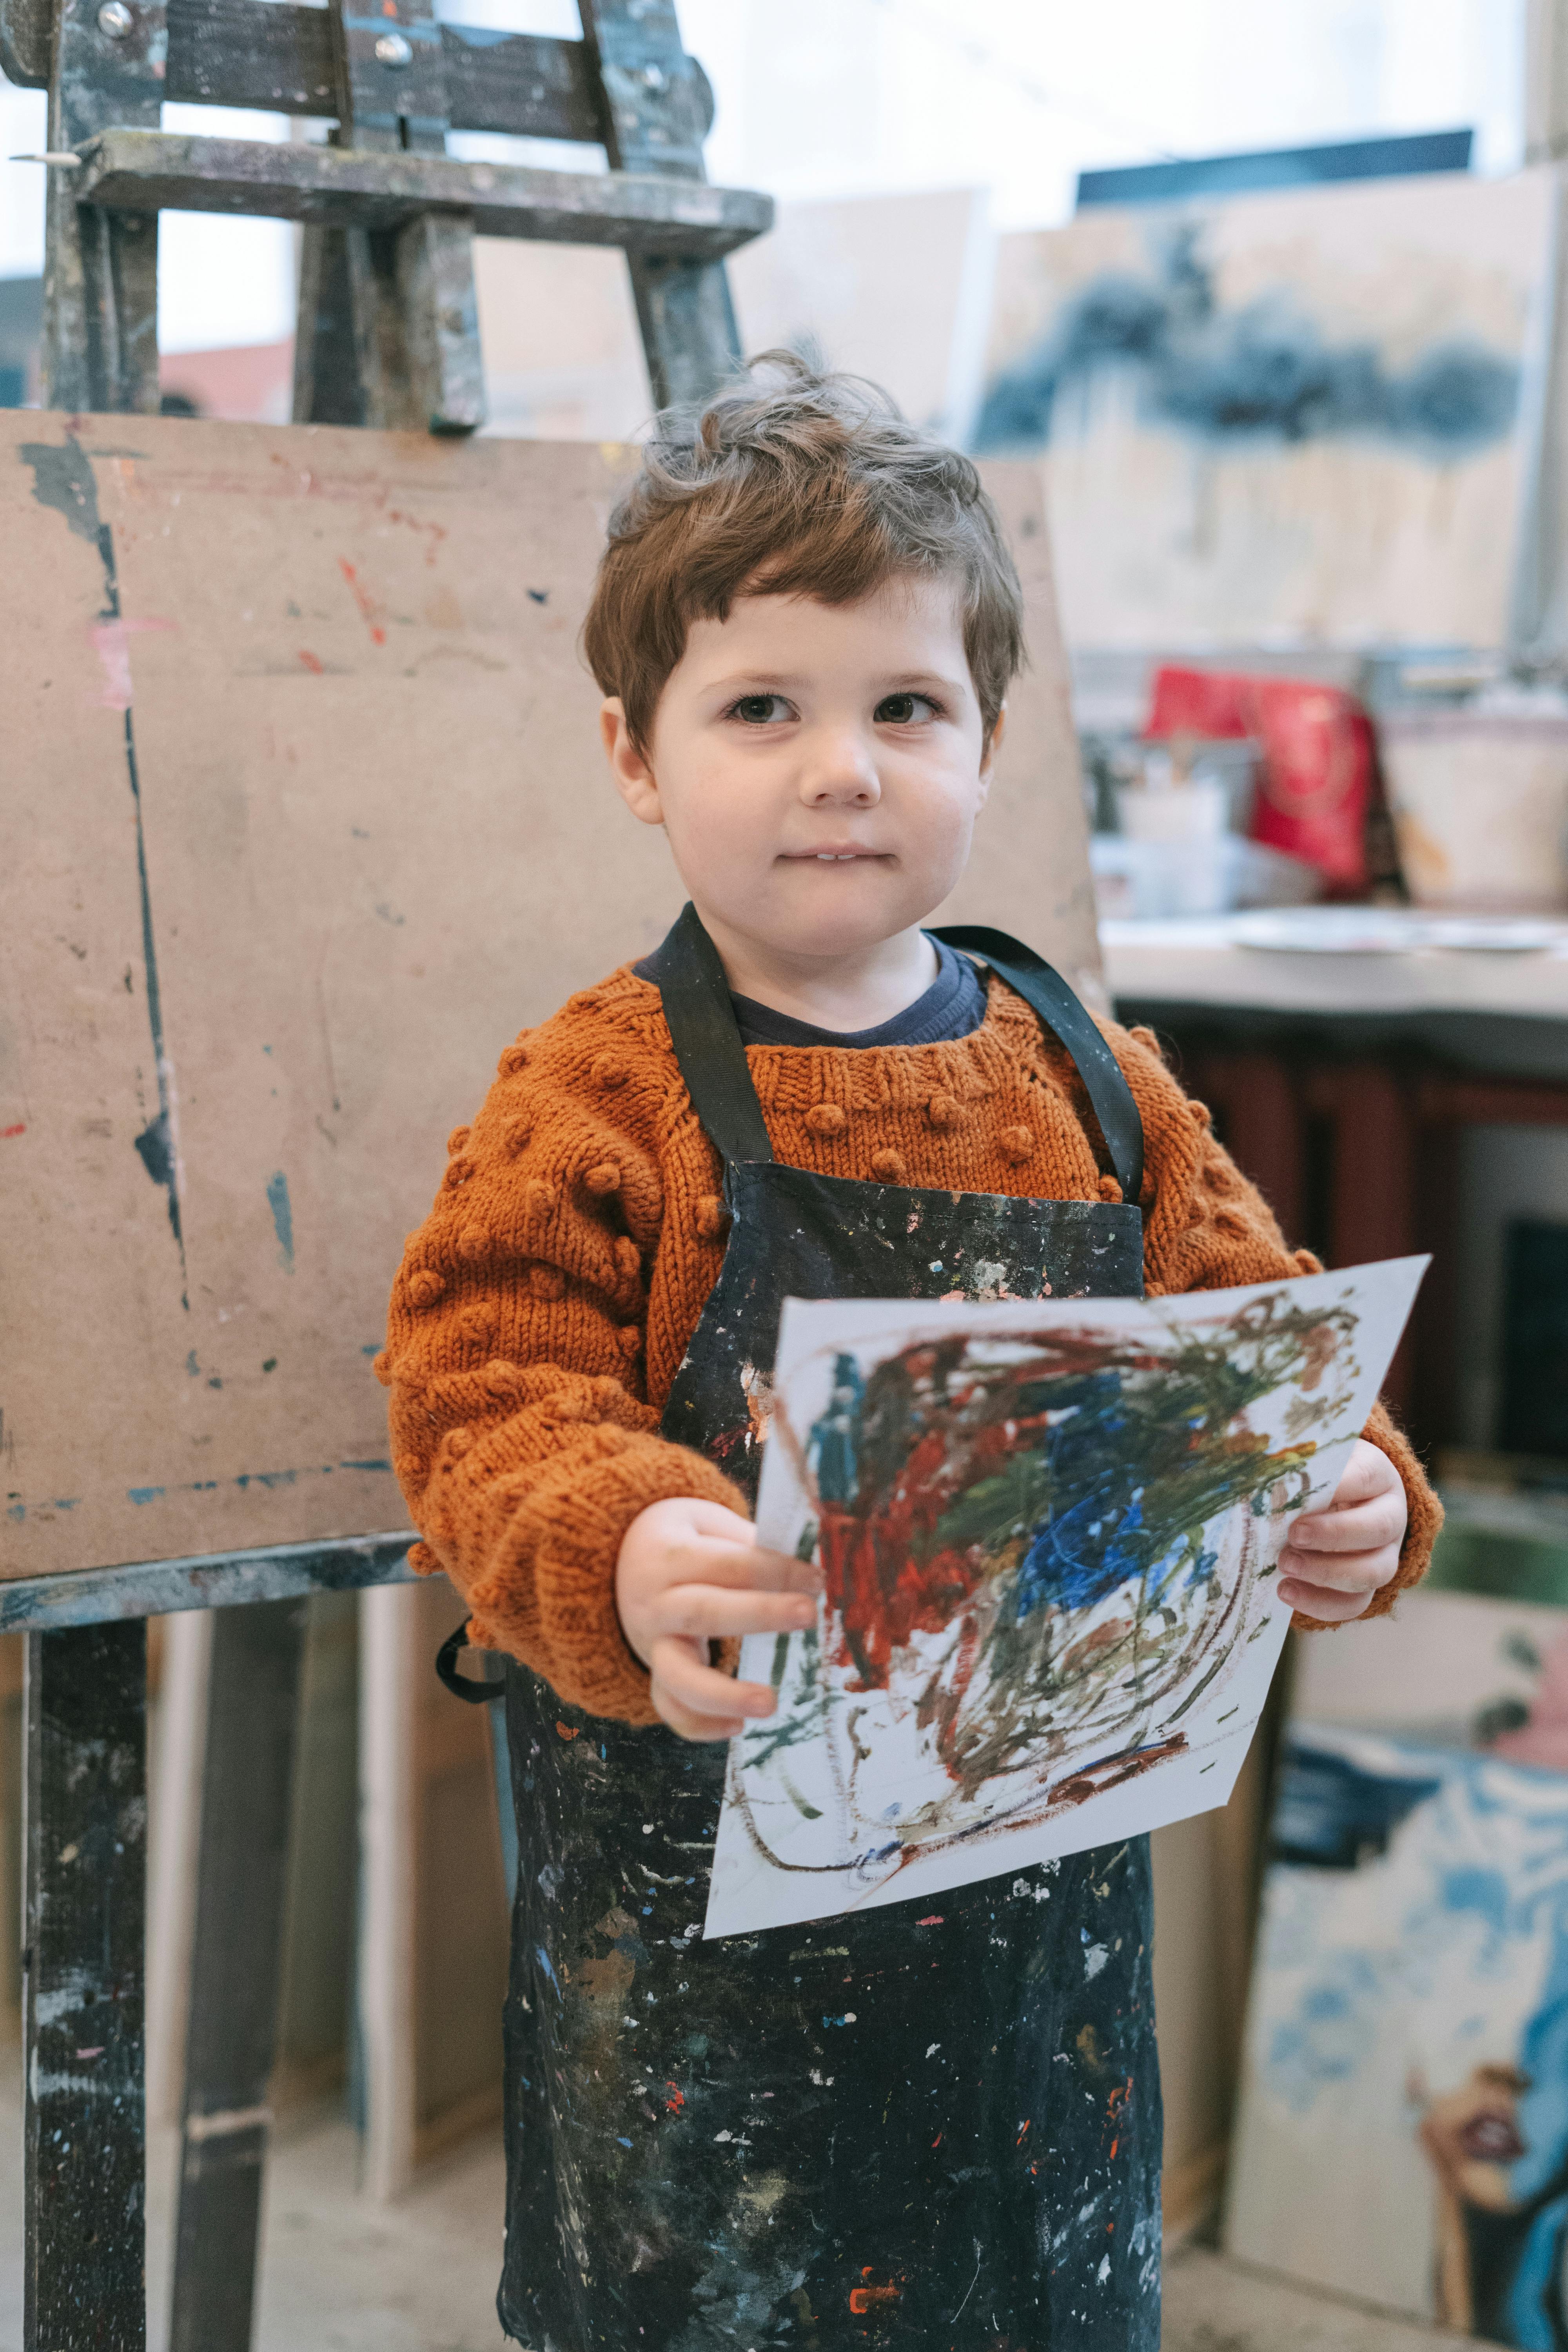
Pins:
x: 1322, y: 1600
x: 1367, y: 1472
x: 748, y: 1568
x: 690, y: 1726
x: 1361, y: 1571
x: 676, y: 1663
x: 1360, y: 1527
x: 712, y: 1611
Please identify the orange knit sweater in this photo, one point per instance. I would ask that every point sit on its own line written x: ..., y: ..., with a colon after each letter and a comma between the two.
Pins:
x: 542, y: 1308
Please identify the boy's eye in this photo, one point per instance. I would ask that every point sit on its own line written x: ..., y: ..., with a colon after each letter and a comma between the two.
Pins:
x: 760, y: 710
x: 903, y: 710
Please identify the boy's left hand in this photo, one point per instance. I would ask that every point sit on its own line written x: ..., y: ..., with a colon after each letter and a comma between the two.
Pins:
x: 1335, y: 1559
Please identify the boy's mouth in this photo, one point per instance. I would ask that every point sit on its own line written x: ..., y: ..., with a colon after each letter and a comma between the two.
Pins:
x: 832, y: 856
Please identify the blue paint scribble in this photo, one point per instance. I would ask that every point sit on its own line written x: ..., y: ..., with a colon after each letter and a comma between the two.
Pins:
x: 1264, y: 372
x: 831, y: 1448
x: 282, y: 1219
x: 144, y: 1494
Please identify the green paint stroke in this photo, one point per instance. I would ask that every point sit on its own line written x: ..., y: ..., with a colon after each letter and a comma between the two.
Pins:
x: 1046, y: 1514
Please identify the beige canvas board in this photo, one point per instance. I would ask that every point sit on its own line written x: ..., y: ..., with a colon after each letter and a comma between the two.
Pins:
x: 302, y: 816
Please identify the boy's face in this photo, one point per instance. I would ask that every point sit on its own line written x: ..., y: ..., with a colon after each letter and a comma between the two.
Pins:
x: 818, y: 768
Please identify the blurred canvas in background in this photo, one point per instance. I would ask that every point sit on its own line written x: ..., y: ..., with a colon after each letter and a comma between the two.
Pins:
x: 1403, y: 2132
x: 1278, y: 419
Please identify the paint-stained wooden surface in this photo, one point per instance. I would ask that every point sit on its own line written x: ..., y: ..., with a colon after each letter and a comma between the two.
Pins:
x: 302, y: 816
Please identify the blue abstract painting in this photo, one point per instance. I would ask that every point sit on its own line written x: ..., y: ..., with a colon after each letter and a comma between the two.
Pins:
x: 1404, y: 2126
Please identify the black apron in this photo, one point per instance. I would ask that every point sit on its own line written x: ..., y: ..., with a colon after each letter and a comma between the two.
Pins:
x: 932, y: 2124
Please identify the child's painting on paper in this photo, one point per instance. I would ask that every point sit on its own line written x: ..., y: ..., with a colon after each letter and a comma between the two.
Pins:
x: 1048, y: 1532
x: 1403, y: 2131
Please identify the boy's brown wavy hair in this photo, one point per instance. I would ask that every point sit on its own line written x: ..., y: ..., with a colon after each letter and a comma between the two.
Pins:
x: 794, y: 482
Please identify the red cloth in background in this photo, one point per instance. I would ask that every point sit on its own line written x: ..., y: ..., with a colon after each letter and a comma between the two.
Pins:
x: 1319, y: 780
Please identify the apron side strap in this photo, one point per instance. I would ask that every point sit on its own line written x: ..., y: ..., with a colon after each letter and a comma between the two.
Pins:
x: 464, y: 1686
x: 707, y: 1041
x: 1041, y: 986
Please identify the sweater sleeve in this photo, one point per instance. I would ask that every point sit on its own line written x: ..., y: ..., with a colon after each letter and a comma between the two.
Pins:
x: 521, y: 1434
x: 1208, y: 1228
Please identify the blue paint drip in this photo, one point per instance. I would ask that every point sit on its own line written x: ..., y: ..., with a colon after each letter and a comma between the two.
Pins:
x: 282, y: 1219
x: 63, y: 478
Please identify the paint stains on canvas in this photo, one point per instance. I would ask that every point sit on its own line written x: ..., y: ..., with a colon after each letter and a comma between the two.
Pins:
x: 111, y: 643
x: 282, y: 1219
x: 1265, y: 371
x: 999, y: 1505
x: 63, y: 479
x: 1048, y: 1536
x: 373, y: 611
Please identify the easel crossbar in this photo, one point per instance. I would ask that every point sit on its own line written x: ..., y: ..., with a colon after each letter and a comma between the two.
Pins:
x: 220, y: 1579
x: 274, y: 55
x: 346, y: 188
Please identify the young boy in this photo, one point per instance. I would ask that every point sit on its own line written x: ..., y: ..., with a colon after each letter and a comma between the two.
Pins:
x: 942, y: 2129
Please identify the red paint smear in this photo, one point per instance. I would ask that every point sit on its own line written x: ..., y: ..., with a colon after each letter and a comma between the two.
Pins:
x: 676, y: 2100
x: 312, y: 662
x: 936, y: 1919
x: 865, y: 2298
x: 567, y: 1730
x: 438, y: 531
x: 20, y: 1128
x: 938, y: 2140
x: 367, y: 604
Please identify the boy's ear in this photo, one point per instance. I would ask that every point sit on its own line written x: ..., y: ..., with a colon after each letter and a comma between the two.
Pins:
x: 988, y: 759
x: 634, y: 777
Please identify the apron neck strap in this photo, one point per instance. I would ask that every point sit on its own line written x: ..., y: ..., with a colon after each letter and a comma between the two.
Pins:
x: 1043, y: 987
x: 712, y: 1061
x: 707, y: 1041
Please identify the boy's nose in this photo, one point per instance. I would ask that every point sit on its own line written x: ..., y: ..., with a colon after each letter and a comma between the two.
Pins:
x: 841, y: 767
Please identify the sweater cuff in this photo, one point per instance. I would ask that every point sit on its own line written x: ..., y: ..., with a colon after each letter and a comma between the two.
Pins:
x: 1424, y: 1519
x: 550, y: 1597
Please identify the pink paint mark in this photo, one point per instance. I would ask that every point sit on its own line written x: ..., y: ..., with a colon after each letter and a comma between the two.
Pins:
x: 96, y: 2052
x: 935, y: 1919
x: 368, y: 606
x: 111, y: 644
x: 312, y: 662
x: 20, y: 1128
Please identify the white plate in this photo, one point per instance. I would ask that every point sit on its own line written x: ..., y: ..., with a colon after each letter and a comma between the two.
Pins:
x: 1394, y: 930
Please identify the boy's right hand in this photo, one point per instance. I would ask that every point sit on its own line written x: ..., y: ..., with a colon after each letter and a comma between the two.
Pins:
x: 689, y: 1573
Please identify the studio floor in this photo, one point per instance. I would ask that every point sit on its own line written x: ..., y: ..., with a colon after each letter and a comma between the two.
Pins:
x: 340, y: 2274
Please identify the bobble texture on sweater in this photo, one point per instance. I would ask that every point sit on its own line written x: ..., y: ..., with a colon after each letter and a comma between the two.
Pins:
x: 542, y: 1309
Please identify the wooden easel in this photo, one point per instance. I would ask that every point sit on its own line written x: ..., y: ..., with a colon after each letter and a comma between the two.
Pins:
x: 387, y: 336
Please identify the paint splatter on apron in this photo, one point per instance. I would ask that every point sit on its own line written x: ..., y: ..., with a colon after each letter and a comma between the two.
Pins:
x: 935, y: 2123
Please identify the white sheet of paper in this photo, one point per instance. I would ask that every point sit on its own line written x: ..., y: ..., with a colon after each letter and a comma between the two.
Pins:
x: 1050, y: 1528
